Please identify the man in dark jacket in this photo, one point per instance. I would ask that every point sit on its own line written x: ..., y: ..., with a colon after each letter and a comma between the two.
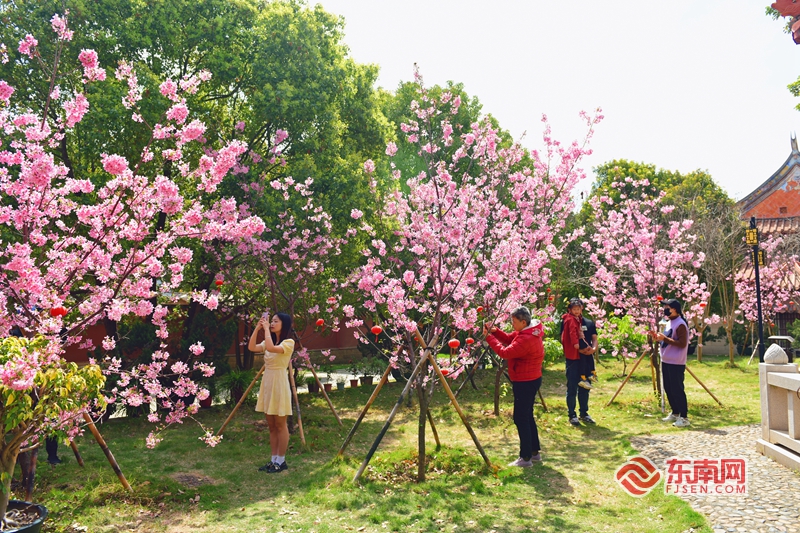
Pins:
x: 573, y: 350
x: 524, y: 350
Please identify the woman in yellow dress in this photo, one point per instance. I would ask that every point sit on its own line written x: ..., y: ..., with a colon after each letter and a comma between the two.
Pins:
x: 274, y: 396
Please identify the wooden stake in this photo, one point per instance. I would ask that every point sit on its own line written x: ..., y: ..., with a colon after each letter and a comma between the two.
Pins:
x: 433, y: 428
x: 624, y: 381
x: 297, y: 403
x: 241, y: 401
x: 392, y: 414
x: 361, y: 416
x: 109, y: 455
x: 453, y: 401
x: 701, y: 384
x: 76, y: 452
x: 325, y: 394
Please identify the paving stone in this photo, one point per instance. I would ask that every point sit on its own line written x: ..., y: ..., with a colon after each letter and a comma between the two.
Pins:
x: 774, y: 509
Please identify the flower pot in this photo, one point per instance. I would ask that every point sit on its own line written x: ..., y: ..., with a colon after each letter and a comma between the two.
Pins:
x: 366, y: 381
x: 354, y: 382
x: 236, y: 394
x: 340, y: 385
x: 312, y: 387
x: 328, y: 387
x: 207, y: 402
x: 33, y: 527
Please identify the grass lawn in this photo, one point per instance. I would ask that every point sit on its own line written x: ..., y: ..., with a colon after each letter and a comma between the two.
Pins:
x: 184, y: 486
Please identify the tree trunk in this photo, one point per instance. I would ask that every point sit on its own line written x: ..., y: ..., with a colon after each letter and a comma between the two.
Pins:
x: 731, y: 347
x: 700, y: 345
x: 423, y: 421
x: 497, y: 377
x: 8, y: 459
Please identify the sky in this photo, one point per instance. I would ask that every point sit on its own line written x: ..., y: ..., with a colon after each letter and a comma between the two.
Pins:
x: 683, y: 85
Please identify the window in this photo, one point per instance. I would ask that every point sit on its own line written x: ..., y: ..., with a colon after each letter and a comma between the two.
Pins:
x: 783, y: 210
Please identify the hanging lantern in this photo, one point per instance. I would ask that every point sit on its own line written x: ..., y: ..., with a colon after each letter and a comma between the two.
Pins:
x: 320, y: 322
x: 445, y: 372
x: 377, y: 330
x: 58, y: 311
x: 219, y: 283
x: 550, y: 298
x: 470, y: 340
x: 702, y: 305
x: 480, y: 309
x: 548, y: 289
x: 454, y: 343
x: 659, y: 297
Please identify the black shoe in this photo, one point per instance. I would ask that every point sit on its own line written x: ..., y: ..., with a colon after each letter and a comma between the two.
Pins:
x: 54, y: 461
x: 266, y: 467
x: 574, y: 421
x: 275, y: 468
x: 588, y: 419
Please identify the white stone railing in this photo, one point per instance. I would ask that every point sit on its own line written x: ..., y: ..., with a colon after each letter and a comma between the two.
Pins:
x: 780, y: 413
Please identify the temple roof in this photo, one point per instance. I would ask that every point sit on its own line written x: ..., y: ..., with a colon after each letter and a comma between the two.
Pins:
x: 779, y: 196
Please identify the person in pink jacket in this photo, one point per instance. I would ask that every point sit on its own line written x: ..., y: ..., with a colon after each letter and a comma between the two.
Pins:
x: 524, y: 350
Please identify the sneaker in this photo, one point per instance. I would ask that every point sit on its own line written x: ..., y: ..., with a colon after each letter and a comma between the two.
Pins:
x: 681, y: 422
x: 521, y: 463
x: 588, y: 419
x: 266, y: 467
x: 593, y: 378
x: 54, y: 461
x: 574, y: 421
x: 275, y: 468
x: 585, y: 385
x: 536, y: 458
x: 671, y: 418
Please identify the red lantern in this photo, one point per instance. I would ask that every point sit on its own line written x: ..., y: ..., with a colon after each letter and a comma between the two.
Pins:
x: 58, y: 311
x: 377, y: 330
x: 702, y: 305
x: 548, y: 289
x: 320, y: 322
x: 659, y: 298
x: 219, y: 283
x: 470, y: 340
x: 480, y: 309
x: 454, y: 343
x: 550, y: 298
x: 445, y: 371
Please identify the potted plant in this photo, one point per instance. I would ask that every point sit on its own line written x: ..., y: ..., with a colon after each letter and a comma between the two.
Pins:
x: 328, y: 369
x: 235, y: 383
x: 366, y: 372
x: 340, y: 381
x: 354, y: 369
x: 42, y: 384
x: 211, y: 385
x: 311, y: 383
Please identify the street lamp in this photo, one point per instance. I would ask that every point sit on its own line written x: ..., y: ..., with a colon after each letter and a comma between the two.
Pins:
x: 751, y: 238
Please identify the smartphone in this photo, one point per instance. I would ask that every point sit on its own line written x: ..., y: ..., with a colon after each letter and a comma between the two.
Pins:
x: 265, y: 315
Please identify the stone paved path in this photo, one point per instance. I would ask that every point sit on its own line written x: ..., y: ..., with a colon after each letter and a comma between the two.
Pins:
x: 773, y: 500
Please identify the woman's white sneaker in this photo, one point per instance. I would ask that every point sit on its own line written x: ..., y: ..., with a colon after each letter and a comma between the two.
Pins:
x: 681, y: 422
x: 671, y: 418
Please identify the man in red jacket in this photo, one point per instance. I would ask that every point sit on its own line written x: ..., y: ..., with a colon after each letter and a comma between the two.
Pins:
x: 524, y: 350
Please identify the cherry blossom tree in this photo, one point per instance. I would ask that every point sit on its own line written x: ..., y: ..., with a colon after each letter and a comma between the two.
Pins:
x: 641, y: 258
x: 464, y: 241
x: 80, y: 249
x: 779, y: 279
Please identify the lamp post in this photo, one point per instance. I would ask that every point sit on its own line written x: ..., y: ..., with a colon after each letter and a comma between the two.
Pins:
x: 751, y: 237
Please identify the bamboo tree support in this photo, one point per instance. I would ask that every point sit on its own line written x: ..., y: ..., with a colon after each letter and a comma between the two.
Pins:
x: 76, y: 452
x: 392, y: 414
x: 361, y: 416
x: 471, y: 372
x: 297, y: 403
x: 241, y: 401
x: 109, y: 455
x: 325, y: 394
x: 624, y: 381
x: 433, y: 429
x: 702, y: 385
x: 453, y: 400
